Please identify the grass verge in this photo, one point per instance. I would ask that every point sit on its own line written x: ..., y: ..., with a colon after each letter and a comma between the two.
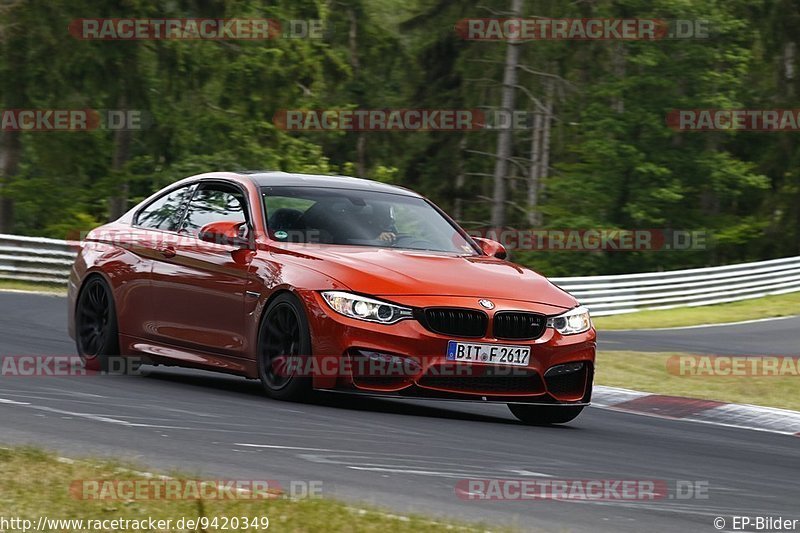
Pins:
x: 648, y: 372
x: 54, y: 288
x: 767, y: 307
x: 36, y: 484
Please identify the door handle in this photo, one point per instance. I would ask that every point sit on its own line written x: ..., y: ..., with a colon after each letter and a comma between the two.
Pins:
x: 167, y: 251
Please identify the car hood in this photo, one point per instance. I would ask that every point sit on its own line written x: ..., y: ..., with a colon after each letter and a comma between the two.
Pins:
x: 390, y: 272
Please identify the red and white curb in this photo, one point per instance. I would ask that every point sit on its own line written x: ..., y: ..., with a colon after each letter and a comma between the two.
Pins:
x: 733, y: 415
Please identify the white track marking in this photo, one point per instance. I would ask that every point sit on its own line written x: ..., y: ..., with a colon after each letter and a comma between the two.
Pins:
x: 277, y: 447
x: 12, y: 402
x: 716, y: 325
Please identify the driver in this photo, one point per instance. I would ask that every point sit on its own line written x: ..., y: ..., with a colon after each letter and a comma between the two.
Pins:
x: 384, y: 222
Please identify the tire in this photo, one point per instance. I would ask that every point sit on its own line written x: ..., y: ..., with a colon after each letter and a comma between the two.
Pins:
x: 285, y: 332
x: 542, y: 415
x: 96, y: 331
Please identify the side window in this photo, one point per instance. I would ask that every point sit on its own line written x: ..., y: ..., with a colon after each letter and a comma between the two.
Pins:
x: 214, y: 203
x: 165, y: 213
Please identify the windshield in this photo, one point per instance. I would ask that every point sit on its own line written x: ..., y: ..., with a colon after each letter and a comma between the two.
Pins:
x: 359, y: 218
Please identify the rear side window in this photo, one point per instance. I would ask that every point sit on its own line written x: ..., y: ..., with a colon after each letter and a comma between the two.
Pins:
x: 165, y: 213
x: 214, y: 203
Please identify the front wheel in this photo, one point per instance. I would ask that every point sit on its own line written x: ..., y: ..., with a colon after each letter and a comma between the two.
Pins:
x: 284, y: 348
x: 541, y: 415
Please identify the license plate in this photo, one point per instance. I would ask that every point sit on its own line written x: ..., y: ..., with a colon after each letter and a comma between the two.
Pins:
x: 496, y: 354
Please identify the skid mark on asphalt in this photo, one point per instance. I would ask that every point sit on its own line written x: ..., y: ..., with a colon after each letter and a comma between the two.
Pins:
x: 408, y: 464
x: 709, y: 511
x: 66, y: 392
x: 425, y: 453
x: 418, y: 467
x: 452, y: 474
x: 75, y: 414
x: 131, y: 420
x: 407, y: 471
x: 115, y: 407
x: 242, y: 428
x: 39, y: 396
x: 337, y: 454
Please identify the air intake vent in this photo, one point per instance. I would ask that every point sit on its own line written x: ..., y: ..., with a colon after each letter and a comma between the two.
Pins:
x: 567, y: 380
x: 493, y: 381
x: 518, y: 325
x: 455, y: 321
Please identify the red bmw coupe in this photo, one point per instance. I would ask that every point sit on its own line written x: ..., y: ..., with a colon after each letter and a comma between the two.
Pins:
x: 329, y: 283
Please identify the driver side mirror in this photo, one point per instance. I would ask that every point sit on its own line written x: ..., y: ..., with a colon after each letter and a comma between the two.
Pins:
x: 491, y: 248
x: 225, y: 232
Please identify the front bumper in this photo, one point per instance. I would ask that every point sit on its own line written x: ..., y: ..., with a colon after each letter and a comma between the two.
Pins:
x: 407, y: 360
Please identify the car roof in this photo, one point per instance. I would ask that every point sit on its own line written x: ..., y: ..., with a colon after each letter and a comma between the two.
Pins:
x: 270, y: 178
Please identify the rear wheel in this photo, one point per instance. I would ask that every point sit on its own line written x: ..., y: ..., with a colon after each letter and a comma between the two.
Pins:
x: 542, y: 415
x: 96, y: 334
x: 284, y: 348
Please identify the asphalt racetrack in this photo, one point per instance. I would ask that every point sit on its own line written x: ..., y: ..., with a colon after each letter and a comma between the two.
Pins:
x: 779, y: 336
x: 407, y: 456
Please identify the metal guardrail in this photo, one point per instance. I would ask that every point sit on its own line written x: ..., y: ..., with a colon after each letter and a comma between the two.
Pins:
x: 611, y: 295
x: 41, y: 260
x: 36, y: 260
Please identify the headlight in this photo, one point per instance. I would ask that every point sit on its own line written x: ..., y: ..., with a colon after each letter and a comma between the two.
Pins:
x: 364, y: 308
x: 573, y: 321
